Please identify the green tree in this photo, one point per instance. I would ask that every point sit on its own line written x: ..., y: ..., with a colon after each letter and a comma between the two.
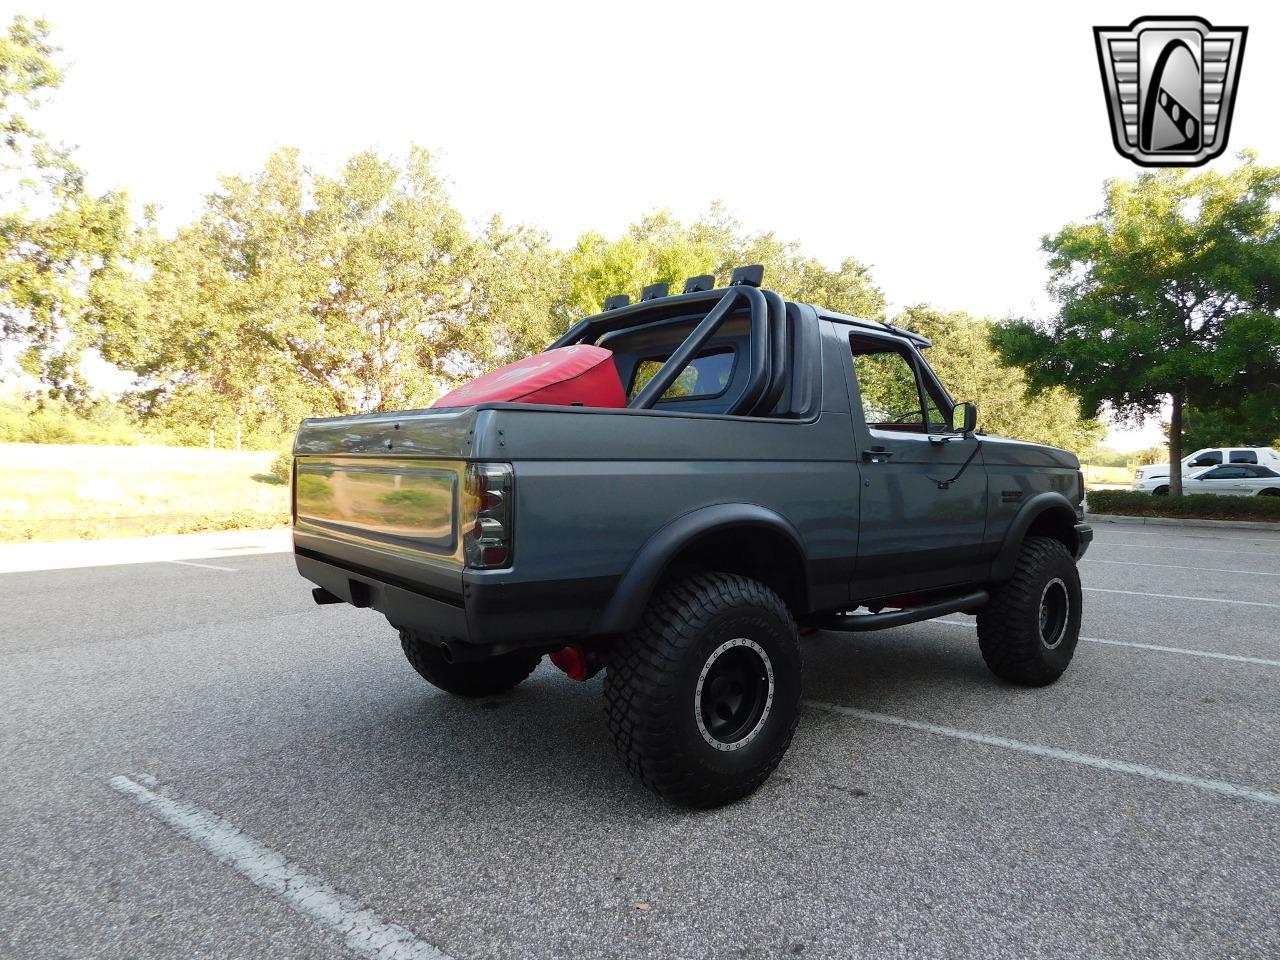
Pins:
x: 299, y: 292
x: 1250, y: 421
x: 54, y: 236
x: 970, y: 368
x: 656, y: 249
x: 521, y: 294
x: 170, y: 313
x: 1169, y: 295
x: 659, y: 248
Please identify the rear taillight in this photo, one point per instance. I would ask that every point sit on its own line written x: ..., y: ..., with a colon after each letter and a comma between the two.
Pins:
x: 1079, y: 486
x: 487, y: 515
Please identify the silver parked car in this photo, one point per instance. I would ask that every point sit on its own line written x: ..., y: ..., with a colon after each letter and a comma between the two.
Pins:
x: 1228, y: 480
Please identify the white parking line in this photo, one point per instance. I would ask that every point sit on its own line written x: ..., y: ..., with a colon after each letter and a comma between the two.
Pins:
x: 1055, y: 753
x: 1169, y: 546
x: 1185, y: 651
x: 1178, y: 596
x: 1179, y: 566
x: 206, y: 566
x: 1244, y: 538
x: 364, y: 930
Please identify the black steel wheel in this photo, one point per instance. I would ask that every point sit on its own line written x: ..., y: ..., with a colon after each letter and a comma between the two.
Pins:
x: 734, y: 694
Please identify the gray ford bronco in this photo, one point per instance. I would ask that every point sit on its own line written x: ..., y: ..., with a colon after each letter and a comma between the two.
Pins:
x: 739, y: 469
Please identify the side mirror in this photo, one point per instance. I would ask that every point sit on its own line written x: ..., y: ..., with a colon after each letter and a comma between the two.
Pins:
x: 967, y: 414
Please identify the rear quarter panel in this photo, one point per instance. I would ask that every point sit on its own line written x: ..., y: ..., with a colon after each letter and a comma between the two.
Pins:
x: 593, y: 486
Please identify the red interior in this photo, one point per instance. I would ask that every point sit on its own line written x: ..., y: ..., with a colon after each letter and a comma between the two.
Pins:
x: 581, y: 374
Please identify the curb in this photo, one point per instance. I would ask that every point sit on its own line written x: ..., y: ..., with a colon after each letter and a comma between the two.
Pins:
x: 1183, y: 522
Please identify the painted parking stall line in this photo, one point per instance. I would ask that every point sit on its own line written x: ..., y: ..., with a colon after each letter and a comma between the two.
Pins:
x: 1220, y: 787
x: 1178, y: 596
x: 1187, y: 652
x: 1260, y: 537
x: 1180, y: 566
x: 1157, y: 647
x: 364, y: 931
x: 205, y: 566
x: 1165, y: 547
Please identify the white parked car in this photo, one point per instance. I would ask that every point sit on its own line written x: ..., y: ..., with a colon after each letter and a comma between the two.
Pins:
x: 1212, y: 457
x: 1228, y: 480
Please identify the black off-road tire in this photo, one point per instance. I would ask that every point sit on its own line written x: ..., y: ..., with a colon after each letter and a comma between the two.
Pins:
x: 1019, y: 644
x: 473, y: 678
x: 670, y: 688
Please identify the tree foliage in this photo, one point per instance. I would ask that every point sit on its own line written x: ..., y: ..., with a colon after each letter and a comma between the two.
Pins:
x: 301, y: 292
x: 658, y: 248
x: 53, y: 233
x: 1249, y: 421
x: 1171, y: 291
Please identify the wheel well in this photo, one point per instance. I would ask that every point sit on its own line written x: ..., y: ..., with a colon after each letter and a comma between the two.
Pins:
x: 1057, y: 524
x: 756, y: 552
x: 1270, y: 492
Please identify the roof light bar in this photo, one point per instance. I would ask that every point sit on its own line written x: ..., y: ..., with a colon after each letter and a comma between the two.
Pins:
x: 752, y: 276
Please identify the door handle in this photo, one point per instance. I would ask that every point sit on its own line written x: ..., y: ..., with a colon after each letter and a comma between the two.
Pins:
x: 876, y: 455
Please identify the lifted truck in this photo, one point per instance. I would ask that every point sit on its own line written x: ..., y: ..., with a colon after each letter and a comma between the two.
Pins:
x: 775, y: 465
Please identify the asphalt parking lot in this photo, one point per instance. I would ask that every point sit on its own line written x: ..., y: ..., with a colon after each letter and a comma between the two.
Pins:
x: 201, y: 763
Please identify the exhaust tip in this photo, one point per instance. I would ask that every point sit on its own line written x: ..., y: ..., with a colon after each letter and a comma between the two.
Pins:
x: 322, y: 596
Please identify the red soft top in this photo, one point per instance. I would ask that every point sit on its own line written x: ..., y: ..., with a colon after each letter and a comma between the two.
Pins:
x: 581, y: 374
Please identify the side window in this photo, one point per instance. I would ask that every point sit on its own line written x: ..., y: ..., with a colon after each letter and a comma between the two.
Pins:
x: 1226, y: 473
x: 1213, y: 456
x: 938, y: 420
x: 708, y: 375
x: 888, y: 385
x: 1243, y: 456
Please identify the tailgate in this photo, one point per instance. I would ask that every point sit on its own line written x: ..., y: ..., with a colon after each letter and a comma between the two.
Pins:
x: 381, y: 494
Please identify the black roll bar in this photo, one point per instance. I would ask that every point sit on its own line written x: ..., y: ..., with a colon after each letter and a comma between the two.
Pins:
x: 779, y: 347
x: 703, y: 332
x: 593, y: 327
x: 768, y: 331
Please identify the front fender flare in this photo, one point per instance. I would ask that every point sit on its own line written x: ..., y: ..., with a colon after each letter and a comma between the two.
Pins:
x: 1032, y: 510
x: 642, y: 576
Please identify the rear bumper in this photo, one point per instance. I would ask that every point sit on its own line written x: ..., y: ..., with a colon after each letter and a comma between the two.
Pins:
x: 402, y: 606
x: 494, y: 613
x: 1084, y: 537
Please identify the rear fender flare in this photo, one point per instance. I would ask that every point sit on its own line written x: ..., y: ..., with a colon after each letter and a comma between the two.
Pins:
x: 1042, y: 503
x: 632, y: 594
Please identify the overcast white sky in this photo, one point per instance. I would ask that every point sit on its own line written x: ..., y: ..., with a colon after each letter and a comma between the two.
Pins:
x: 936, y: 142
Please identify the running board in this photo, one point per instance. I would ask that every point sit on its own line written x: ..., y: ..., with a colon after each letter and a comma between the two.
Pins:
x: 897, y: 618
